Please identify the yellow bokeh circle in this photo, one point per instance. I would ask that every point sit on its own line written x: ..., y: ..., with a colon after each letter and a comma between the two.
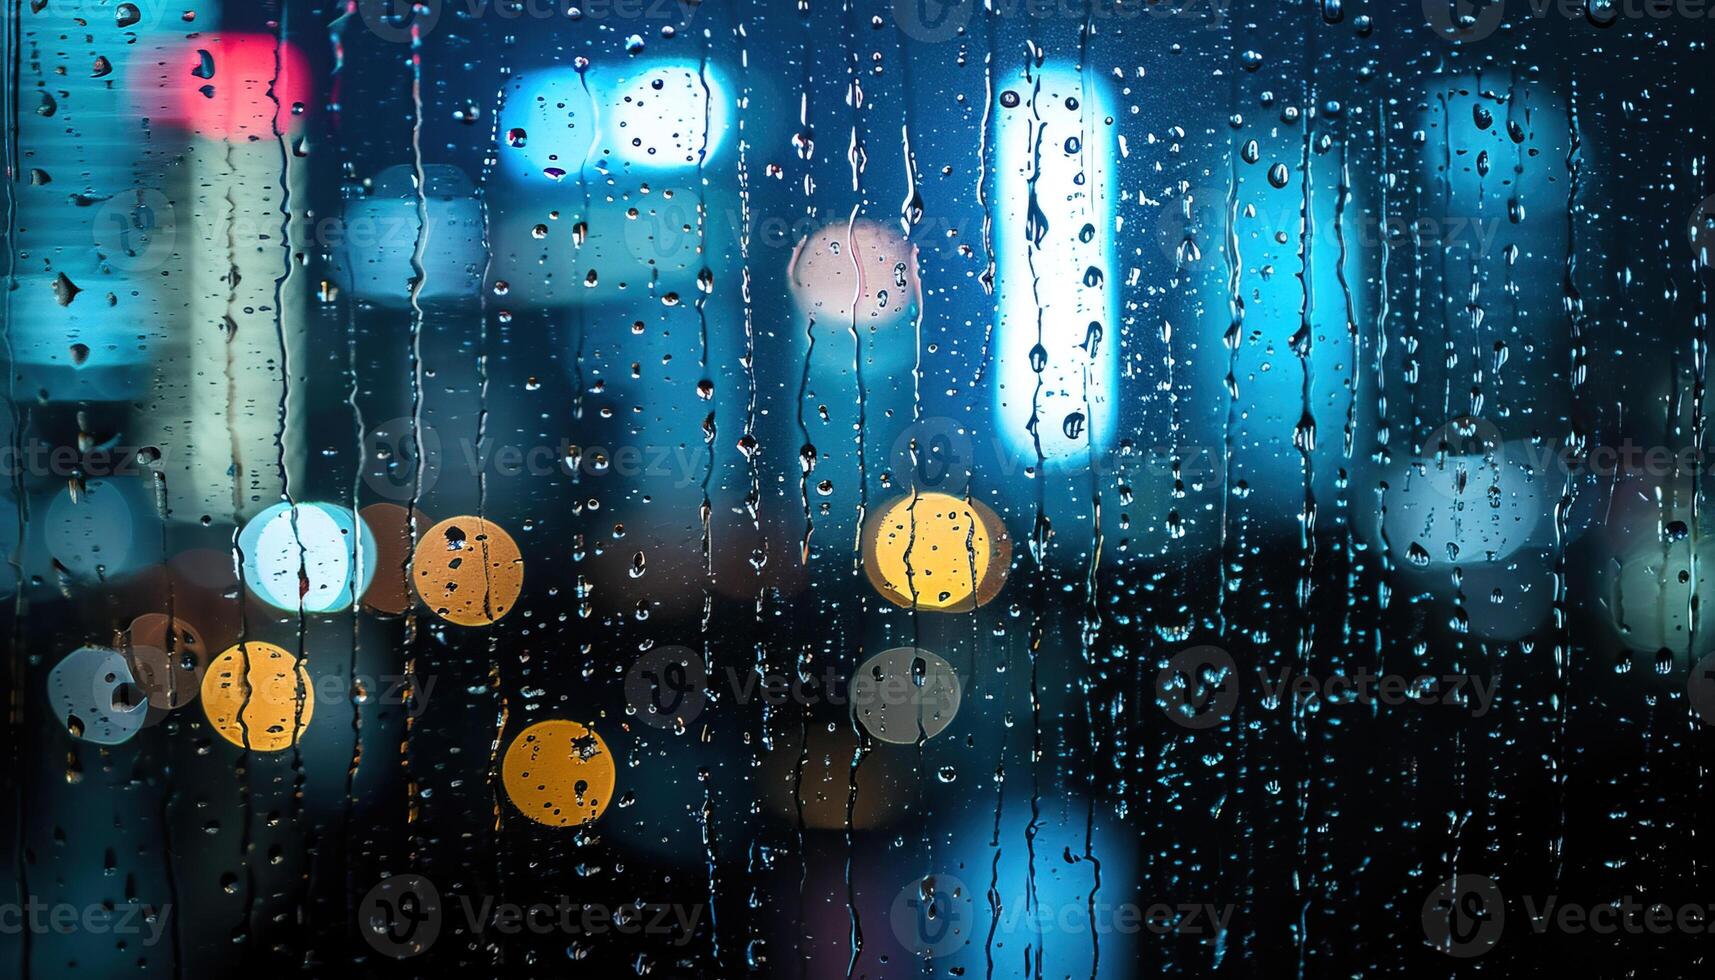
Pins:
x: 468, y: 571
x: 936, y: 552
x: 559, y: 773
x: 272, y: 710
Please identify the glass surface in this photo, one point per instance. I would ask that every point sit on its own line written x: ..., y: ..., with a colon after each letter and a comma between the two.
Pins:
x: 866, y: 488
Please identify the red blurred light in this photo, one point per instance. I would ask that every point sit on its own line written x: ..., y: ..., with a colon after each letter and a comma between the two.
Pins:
x: 233, y: 102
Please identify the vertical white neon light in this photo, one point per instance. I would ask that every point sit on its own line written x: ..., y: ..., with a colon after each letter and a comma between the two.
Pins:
x: 233, y: 99
x: 1053, y: 347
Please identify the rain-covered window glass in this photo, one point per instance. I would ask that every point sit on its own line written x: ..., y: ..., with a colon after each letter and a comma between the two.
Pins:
x: 857, y: 488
